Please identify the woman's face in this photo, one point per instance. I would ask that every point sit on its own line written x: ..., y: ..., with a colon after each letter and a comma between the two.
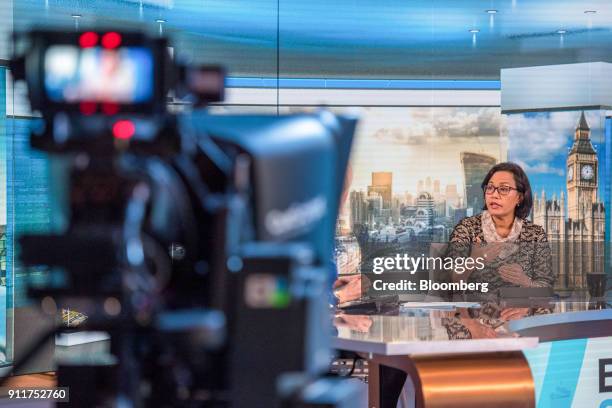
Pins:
x: 497, y: 203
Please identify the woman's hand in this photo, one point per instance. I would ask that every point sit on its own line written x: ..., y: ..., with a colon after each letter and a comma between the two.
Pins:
x: 514, y: 273
x: 488, y: 252
x: 350, y: 287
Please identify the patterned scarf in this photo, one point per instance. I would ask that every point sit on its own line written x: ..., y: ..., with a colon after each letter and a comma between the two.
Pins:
x: 491, y: 235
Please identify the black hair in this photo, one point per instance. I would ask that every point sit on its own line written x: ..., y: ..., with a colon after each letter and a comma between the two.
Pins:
x: 522, y: 186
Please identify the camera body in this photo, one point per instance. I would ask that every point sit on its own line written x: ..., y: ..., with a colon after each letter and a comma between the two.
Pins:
x: 190, y: 237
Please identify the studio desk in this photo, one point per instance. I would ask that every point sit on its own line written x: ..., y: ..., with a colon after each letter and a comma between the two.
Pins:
x: 466, y: 354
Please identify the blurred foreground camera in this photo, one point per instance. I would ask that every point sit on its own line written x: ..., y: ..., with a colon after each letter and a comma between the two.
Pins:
x: 95, y: 89
x: 202, y: 244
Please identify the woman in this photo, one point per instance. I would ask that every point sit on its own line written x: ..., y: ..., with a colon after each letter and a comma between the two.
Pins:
x: 515, y: 251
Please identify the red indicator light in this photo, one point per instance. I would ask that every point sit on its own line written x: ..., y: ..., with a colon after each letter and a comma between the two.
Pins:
x: 88, y: 39
x: 87, y: 108
x: 123, y: 129
x: 111, y: 40
x: 110, y: 108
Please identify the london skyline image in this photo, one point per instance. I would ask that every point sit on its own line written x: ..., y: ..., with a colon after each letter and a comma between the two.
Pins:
x: 416, y: 172
x: 416, y: 143
x: 423, y: 150
x: 410, y: 168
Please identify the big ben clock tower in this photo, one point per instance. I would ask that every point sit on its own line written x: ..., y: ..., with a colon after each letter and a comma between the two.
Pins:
x: 581, y: 173
x: 577, y: 237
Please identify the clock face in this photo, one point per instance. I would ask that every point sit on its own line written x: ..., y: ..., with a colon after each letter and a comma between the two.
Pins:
x: 587, y: 172
x: 570, y: 173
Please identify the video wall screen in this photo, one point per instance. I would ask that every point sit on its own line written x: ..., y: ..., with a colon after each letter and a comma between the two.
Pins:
x: 416, y: 172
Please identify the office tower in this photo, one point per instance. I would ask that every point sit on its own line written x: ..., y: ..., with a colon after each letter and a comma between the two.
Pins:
x: 420, y: 186
x: 475, y: 167
x: 425, y: 210
x: 436, y: 186
x: 575, y: 234
x: 384, y: 216
x: 428, y: 184
x: 440, y: 208
x: 452, y: 195
x: 375, y: 206
x: 382, y: 184
x: 359, y: 209
x: 452, y: 199
x: 395, y: 209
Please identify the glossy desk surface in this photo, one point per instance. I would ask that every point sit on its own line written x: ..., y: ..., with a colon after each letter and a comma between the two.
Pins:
x: 487, y: 327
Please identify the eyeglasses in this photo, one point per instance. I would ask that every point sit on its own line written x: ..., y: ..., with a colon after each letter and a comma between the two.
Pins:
x: 503, y: 190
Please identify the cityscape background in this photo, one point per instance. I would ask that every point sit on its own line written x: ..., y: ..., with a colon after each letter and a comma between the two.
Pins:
x: 414, y: 173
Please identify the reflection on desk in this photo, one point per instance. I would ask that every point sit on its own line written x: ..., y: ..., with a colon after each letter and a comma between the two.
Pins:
x: 489, y: 327
x: 399, y: 335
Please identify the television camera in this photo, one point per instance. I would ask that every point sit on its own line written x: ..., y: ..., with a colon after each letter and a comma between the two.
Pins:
x: 201, y: 243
